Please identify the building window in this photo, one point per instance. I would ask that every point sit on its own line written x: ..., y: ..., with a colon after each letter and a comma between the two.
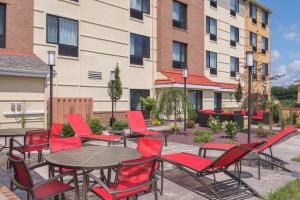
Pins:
x: 211, y: 62
x: 264, y: 45
x: 253, y: 41
x: 265, y: 69
x: 179, y: 15
x: 234, y: 66
x: 196, y: 99
x: 234, y: 7
x: 179, y: 55
x: 253, y: 13
x: 139, y: 49
x: 254, y: 70
x: 2, y: 25
x: 265, y: 19
x: 135, y: 102
x: 138, y: 8
x: 64, y: 32
x: 218, y: 101
x: 211, y: 28
x: 234, y: 35
x: 214, y: 3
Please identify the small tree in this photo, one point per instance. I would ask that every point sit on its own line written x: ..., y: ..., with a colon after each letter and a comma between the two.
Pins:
x: 239, y: 94
x: 149, y: 104
x: 118, y: 87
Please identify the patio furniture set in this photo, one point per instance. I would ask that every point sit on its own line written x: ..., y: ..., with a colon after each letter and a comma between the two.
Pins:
x: 124, y: 172
x: 235, y: 116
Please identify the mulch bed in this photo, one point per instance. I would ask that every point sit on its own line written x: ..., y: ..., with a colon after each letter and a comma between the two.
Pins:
x: 187, y: 138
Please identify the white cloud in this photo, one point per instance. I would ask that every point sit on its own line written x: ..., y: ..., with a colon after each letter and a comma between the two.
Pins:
x: 291, y: 73
x: 275, y: 55
x: 291, y: 33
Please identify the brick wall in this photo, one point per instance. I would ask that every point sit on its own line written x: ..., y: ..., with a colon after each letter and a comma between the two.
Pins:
x: 193, y: 36
x: 19, y: 25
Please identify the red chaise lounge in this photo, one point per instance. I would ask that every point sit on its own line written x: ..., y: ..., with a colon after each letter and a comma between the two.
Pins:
x: 138, y: 126
x: 269, y: 158
x: 83, y: 131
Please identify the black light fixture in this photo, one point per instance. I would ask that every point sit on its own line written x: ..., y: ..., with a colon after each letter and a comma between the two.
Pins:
x: 51, y: 64
x: 113, y: 80
x: 185, y: 75
x: 249, y: 65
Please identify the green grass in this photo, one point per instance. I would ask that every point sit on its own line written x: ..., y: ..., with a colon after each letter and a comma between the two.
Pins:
x: 297, y: 159
x: 291, y: 191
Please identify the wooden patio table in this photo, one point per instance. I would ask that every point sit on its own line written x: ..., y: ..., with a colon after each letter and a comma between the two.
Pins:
x: 91, y: 158
x: 11, y: 133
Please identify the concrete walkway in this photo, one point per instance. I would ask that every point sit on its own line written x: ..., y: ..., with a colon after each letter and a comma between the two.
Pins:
x: 271, y: 179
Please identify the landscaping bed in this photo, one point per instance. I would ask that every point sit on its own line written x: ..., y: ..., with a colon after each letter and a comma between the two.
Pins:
x: 291, y: 191
x: 220, y: 137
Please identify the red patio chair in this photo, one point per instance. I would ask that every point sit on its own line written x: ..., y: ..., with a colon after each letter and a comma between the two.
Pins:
x: 21, y: 179
x: 82, y: 130
x: 56, y: 130
x: 61, y: 144
x: 268, y: 158
x: 197, y: 166
x: 138, y: 126
x: 34, y: 140
x: 132, y: 178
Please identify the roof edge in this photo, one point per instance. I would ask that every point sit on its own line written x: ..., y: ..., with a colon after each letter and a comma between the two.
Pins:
x: 26, y: 73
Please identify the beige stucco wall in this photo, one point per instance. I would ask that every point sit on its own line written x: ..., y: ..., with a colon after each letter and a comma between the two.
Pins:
x: 224, y: 50
x: 104, y: 41
x: 29, y: 92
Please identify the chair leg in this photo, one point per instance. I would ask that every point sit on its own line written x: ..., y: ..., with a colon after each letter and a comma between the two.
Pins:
x: 258, y: 166
x: 162, y: 179
x: 76, y: 186
x: 155, y: 190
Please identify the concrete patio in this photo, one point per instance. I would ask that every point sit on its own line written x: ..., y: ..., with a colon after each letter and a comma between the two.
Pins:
x: 270, y: 180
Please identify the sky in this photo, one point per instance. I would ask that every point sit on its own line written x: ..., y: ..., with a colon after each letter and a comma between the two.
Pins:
x: 285, y: 40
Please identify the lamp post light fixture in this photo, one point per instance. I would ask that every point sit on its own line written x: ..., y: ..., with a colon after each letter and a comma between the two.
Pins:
x: 249, y: 64
x: 51, y: 64
x: 113, y: 80
x: 185, y: 75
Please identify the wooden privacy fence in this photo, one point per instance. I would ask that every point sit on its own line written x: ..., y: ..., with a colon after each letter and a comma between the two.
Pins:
x: 62, y: 106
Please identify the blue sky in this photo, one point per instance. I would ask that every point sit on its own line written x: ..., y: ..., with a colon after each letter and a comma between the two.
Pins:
x: 285, y: 44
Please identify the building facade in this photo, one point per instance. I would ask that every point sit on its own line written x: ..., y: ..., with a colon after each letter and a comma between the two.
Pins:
x: 183, y: 42
x: 91, y: 38
x: 22, y: 74
x: 258, y: 40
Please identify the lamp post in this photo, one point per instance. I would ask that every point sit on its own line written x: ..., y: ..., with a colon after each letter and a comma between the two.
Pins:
x: 249, y: 64
x: 51, y: 64
x: 113, y: 80
x: 185, y: 75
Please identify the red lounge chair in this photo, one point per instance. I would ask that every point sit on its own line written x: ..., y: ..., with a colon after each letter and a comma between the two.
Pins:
x: 132, y: 178
x: 34, y: 140
x: 138, y: 126
x: 56, y: 130
x: 259, y: 116
x: 82, y: 130
x: 269, y: 158
x: 197, y: 166
x: 47, y: 189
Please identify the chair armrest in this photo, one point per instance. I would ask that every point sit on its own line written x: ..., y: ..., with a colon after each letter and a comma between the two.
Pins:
x: 99, y: 182
x: 52, y: 179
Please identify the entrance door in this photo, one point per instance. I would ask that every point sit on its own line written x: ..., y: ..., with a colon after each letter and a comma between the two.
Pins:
x: 135, y: 103
x: 218, y: 101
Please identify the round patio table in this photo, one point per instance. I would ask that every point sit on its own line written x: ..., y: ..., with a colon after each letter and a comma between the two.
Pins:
x: 11, y: 133
x: 92, y: 158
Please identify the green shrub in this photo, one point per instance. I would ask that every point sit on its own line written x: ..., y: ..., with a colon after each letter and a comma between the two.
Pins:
x: 202, y: 136
x: 260, y: 125
x: 214, y: 124
x: 282, y: 123
x: 174, y: 128
x: 67, y: 131
x: 298, y: 122
x: 230, y: 128
x: 96, y: 126
x: 291, y: 191
x: 263, y: 133
x: 190, y: 124
x: 119, y: 125
x: 296, y: 159
x: 156, y: 122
